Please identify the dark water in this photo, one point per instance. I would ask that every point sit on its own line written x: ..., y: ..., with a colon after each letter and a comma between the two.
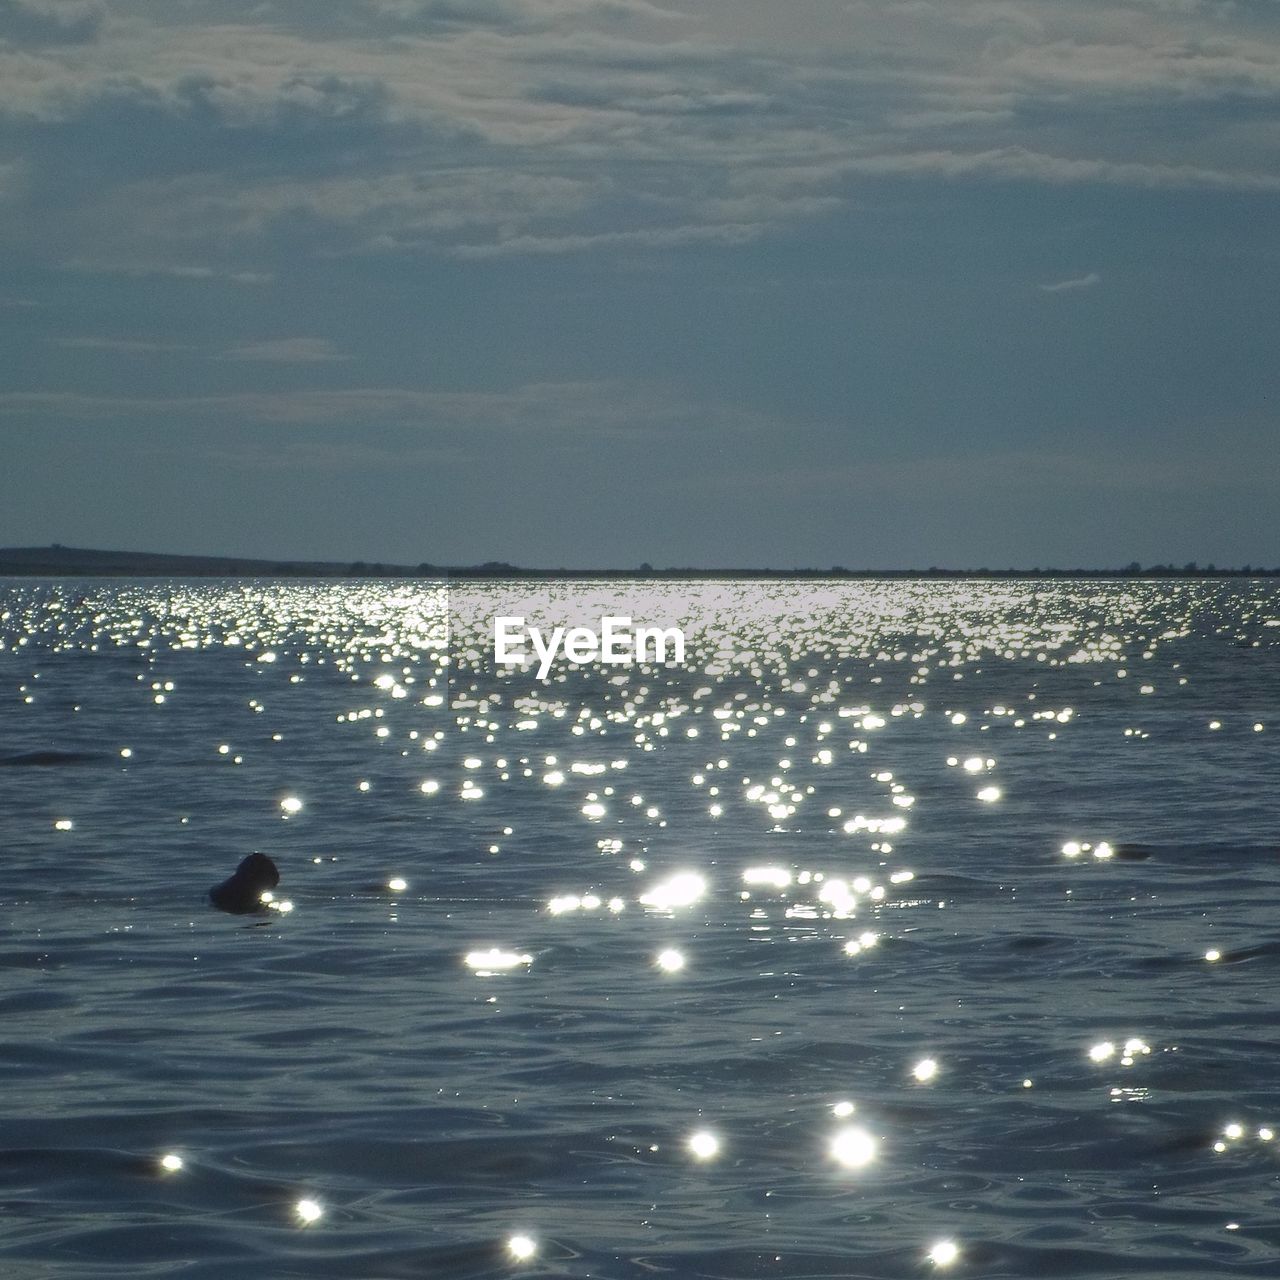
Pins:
x: 676, y: 946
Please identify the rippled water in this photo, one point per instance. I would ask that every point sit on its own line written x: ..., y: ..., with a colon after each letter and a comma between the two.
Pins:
x: 905, y: 929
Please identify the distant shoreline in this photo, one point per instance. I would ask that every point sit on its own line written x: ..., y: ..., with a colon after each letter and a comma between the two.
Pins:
x: 72, y: 562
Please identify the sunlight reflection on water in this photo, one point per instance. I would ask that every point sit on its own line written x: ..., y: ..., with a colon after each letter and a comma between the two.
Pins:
x: 754, y: 889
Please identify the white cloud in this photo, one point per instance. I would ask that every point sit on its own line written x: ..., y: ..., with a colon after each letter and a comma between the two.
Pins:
x: 173, y: 270
x: 1017, y: 163
x: 287, y: 351
x: 1075, y: 282
x: 646, y: 238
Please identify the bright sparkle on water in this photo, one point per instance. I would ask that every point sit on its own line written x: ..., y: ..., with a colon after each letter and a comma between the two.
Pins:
x: 773, y: 877
x: 495, y: 960
x: 704, y: 1144
x: 681, y: 890
x: 522, y: 1247
x: 853, y: 1148
x: 308, y: 1211
x: 944, y: 1253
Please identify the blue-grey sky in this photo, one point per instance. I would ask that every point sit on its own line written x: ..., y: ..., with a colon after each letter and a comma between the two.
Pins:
x: 594, y: 282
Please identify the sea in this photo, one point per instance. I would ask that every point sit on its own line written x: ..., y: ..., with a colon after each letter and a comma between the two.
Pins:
x: 889, y: 929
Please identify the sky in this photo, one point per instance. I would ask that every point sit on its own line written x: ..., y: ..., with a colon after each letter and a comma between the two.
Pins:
x: 870, y: 283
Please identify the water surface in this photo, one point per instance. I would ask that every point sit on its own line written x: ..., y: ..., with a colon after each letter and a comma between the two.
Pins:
x: 907, y: 928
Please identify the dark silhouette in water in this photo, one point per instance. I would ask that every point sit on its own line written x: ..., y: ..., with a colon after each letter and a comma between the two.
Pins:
x: 1132, y: 852
x: 48, y: 759
x: 242, y: 892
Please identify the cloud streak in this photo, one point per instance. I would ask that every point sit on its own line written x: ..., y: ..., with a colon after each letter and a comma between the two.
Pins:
x: 545, y: 410
x: 1076, y: 282
x: 121, y: 346
x: 287, y: 351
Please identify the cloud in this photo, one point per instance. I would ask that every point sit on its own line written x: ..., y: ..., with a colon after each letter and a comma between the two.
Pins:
x: 49, y: 22
x: 521, y: 15
x: 175, y: 271
x: 1019, y: 164
x: 121, y: 346
x: 617, y: 410
x: 647, y: 238
x: 400, y: 210
x: 337, y: 457
x: 1077, y: 282
x: 496, y: 128
x: 287, y: 351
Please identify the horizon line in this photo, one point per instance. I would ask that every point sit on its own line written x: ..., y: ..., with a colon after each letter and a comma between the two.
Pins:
x: 58, y: 560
